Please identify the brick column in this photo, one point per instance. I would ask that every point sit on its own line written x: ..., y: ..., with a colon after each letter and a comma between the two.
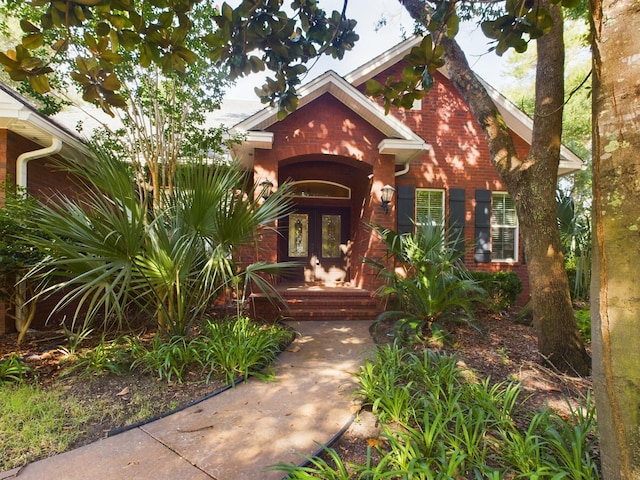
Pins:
x: 369, y: 245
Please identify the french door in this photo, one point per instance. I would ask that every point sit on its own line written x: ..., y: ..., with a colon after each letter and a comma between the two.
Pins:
x: 318, y: 239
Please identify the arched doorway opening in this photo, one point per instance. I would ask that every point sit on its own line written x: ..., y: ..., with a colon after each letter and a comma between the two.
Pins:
x: 320, y: 233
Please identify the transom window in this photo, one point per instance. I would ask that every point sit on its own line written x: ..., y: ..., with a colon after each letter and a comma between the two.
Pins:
x: 429, y: 207
x: 504, y: 228
x: 320, y: 188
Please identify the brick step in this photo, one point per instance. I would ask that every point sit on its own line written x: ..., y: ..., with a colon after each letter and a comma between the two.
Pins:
x: 317, y: 304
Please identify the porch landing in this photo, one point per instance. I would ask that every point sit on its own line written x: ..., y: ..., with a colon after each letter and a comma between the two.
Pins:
x: 317, y: 302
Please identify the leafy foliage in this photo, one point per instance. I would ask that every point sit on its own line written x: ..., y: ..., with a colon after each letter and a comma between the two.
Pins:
x: 459, y: 429
x: 95, y: 38
x: 240, y: 348
x: 502, y: 288
x: 575, y: 235
x: 17, y: 254
x: 232, y: 348
x: 12, y: 370
x: 112, y: 253
x: 433, y: 285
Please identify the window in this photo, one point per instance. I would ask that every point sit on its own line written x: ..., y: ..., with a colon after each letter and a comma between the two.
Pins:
x: 429, y: 206
x: 504, y: 228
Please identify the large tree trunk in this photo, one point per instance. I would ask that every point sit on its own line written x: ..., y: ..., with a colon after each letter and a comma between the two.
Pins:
x: 534, y: 189
x: 615, y: 287
x: 532, y: 184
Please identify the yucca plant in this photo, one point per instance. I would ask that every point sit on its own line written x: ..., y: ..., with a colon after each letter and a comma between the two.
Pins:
x: 111, y: 251
x: 433, y: 285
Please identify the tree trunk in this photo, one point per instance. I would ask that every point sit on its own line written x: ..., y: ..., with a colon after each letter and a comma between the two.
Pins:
x: 534, y: 189
x: 532, y: 184
x: 615, y: 286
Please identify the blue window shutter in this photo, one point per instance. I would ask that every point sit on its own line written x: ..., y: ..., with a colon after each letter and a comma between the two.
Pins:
x: 482, y: 247
x: 406, y: 196
x: 457, y: 216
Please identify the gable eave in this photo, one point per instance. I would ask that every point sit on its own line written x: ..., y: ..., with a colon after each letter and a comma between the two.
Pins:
x: 515, y: 119
x: 330, y: 82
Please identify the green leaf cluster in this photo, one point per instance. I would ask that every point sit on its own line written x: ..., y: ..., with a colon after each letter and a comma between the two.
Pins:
x: 113, y: 252
x: 437, y: 424
x: 425, y: 282
x: 520, y: 22
x: 422, y: 61
x: 17, y: 254
x: 173, y: 35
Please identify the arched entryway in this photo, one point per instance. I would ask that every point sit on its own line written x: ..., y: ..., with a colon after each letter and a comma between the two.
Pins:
x: 320, y: 233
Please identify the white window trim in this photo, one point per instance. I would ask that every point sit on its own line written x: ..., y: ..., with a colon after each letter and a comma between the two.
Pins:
x: 516, y: 246
x: 438, y: 190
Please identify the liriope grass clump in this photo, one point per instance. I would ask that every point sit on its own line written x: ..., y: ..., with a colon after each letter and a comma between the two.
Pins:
x: 439, y: 424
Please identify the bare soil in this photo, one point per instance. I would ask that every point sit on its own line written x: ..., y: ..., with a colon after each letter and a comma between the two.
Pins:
x: 498, y: 348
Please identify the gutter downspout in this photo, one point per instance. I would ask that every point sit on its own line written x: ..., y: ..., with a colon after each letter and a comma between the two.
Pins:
x: 21, y: 320
x: 24, y: 158
x: 407, y: 165
x: 404, y: 169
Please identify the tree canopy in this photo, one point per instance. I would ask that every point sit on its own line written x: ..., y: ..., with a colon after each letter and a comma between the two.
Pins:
x: 95, y: 36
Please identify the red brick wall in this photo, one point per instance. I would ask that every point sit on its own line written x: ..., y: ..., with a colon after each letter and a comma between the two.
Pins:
x: 328, y: 127
x: 459, y: 158
x: 44, y: 179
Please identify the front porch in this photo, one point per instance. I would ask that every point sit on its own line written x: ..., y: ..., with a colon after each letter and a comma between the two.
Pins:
x: 317, y: 302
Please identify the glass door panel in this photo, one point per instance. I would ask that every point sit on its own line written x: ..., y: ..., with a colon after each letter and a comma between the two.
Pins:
x: 331, y: 230
x: 298, y: 235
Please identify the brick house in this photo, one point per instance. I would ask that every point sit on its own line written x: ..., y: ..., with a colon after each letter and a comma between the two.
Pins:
x: 341, y: 152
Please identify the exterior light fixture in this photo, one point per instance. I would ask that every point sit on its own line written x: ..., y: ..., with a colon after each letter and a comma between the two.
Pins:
x: 386, y: 194
x: 266, y: 186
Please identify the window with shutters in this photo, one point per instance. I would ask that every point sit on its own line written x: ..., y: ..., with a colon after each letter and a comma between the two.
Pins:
x: 504, y: 228
x: 429, y: 207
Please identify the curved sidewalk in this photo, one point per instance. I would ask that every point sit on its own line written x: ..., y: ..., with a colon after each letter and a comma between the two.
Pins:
x: 242, y: 431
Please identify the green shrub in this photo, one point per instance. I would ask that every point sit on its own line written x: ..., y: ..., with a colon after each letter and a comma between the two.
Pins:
x: 169, y: 359
x: 240, y: 347
x: 233, y: 347
x: 434, y: 286
x: 502, y: 288
x: 583, y: 320
x: 114, y: 357
x: 457, y: 428
x: 12, y: 370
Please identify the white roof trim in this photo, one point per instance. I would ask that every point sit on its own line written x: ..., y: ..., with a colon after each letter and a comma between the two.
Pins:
x: 332, y: 83
x: 381, y: 62
x: 20, y: 117
x: 515, y: 118
x: 404, y: 150
x: 522, y: 125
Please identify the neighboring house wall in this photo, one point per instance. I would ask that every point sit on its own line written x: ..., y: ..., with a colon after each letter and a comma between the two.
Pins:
x: 45, y: 180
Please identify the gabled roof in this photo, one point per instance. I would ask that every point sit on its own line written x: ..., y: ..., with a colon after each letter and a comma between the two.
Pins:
x: 18, y: 115
x: 401, y: 140
x: 518, y: 121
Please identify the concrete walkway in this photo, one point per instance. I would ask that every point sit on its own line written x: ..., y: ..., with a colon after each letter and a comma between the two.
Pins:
x: 242, y: 431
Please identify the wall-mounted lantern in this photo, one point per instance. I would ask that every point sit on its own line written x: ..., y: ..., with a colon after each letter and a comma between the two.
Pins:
x: 386, y: 194
x: 266, y: 186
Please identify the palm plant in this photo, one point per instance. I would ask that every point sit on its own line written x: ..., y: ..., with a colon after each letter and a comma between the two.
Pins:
x: 111, y: 249
x: 575, y: 235
x: 425, y: 281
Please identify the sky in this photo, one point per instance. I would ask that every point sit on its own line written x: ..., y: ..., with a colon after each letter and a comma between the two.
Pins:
x: 374, y: 41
